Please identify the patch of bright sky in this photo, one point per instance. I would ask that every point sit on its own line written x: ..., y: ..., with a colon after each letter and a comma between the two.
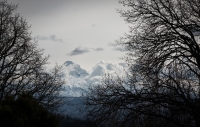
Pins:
x: 61, y: 26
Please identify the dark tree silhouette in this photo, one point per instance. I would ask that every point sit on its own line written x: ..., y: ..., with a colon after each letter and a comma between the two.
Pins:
x: 22, y: 64
x: 25, y: 111
x: 162, y: 86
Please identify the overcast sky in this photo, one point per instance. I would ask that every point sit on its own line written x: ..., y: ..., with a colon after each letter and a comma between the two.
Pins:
x: 82, y: 31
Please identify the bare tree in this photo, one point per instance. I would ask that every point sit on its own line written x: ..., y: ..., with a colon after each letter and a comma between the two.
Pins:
x: 21, y: 61
x: 163, y: 52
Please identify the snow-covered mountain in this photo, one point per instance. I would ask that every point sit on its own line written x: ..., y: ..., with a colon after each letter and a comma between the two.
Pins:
x: 78, y: 79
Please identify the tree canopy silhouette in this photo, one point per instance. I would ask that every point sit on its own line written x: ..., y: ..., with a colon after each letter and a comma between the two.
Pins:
x: 22, y: 63
x: 162, y: 85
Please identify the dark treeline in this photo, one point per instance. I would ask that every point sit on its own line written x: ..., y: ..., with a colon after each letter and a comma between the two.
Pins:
x: 25, y: 111
x: 68, y: 121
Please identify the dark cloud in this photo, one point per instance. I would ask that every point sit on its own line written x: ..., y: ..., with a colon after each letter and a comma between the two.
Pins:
x: 112, y: 44
x: 81, y: 50
x: 116, y: 47
x: 99, y: 49
x: 93, y: 25
x: 51, y: 38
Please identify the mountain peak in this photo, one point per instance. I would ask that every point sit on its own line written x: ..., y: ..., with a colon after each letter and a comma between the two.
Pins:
x: 74, y: 70
x: 67, y: 63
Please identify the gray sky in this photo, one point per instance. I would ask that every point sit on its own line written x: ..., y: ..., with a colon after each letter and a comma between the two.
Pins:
x: 82, y: 31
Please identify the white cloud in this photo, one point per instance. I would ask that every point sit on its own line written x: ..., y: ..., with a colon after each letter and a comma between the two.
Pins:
x: 103, y: 67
